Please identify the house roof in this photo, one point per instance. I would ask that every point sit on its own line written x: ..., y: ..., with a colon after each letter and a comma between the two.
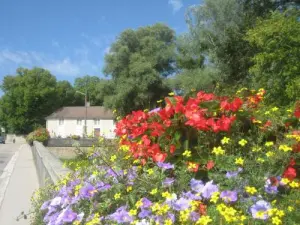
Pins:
x: 79, y: 112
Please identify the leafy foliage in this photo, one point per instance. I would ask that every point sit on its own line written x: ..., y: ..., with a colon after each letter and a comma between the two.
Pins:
x: 276, y: 65
x: 137, y: 63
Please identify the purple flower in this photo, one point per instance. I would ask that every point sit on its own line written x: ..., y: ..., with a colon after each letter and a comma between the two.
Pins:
x: 229, y: 196
x: 194, y: 216
x: 144, y: 213
x: 156, y: 110
x: 69, y: 216
x: 56, y: 201
x: 102, y: 186
x: 181, y: 204
x: 191, y: 196
x: 80, y: 217
x: 165, y: 166
x: 45, y: 205
x: 196, y: 185
x: 269, y: 188
x: 209, y: 189
x: 168, y: 182
x: 260, y: 210
x: 121, y: 216
x: 146, y: 203
x: 231, y: 174
x: 87, y: 191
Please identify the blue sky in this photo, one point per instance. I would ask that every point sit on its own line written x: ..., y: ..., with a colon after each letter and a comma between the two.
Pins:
x: 71, y: 37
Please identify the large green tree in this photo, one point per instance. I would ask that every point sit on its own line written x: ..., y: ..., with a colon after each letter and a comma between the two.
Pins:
x: 276, y: 64
x: 217, y: 29
x: 138, y: 62
x: 30, y: 96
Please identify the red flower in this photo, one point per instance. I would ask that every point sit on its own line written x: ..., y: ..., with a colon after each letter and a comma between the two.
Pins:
x: 210, y: 164
x: 202, y: 209
x: 159, y: 157
x: 290, y: 173
x: 193, y: 167
x: 172, y: 149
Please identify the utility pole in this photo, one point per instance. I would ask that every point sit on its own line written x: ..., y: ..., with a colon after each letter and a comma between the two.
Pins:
x: 85, y: 125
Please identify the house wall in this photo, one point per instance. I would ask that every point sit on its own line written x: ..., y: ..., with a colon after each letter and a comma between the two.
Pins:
x: 70, y: 127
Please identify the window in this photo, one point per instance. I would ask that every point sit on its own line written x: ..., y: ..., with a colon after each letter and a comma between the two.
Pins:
x: 79, y: 122
x: 61, y: 121
x: 96, y: 122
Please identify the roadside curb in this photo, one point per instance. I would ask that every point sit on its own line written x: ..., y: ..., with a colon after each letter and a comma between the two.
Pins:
x: 7, y: 172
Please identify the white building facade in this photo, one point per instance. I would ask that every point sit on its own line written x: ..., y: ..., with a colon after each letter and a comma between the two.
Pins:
x: 70, y: 121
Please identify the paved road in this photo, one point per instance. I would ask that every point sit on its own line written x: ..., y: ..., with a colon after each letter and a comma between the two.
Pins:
x: 6, y: 152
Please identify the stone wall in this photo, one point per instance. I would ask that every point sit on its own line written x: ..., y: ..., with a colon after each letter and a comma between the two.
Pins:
x: 65, y: 152
x: 49, y: 168
x: 69, y: 142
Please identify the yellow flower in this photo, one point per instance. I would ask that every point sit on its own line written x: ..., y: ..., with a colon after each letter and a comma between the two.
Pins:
x: 267, y: 113
x: 113, y: 158
x: 184, y: 215
x: 146, y: 110
x: 243, y: 142
x: 280, y: 213
x: 239, y: 161
x: 168, y: 222
x: 260, y: 160
x: 285, y: 148
x: 114, y: 111
x: 294, y: 184
x: 117, y: 196
x: 150, y: 171
x: 218, y: 151
x: 250, y: 190
x: 132, y: 212
x: 269, y: 154
x: 257, y: 121
x: 204, y: 220
x: 269, y: 143
x: 159, y: 101
x: 153, y: 191
x: 276, y: 220
x: 289, y: 110
x: 193, y: 89
x: 166, y: 195
x: 171, y: 93
x: 138, y: 204
x: 274, y: 109
x: 215, y: 197
x: 285, y: 181
x: 225, y: 140
x: 129, y: 188
x: 256, y: 149
x: 187, y: 153
x: 291, y: 208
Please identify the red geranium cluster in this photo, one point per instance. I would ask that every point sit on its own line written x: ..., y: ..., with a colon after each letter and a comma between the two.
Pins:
x: 151, y: 134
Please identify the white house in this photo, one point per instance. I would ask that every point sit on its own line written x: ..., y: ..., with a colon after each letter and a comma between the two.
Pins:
x: 69, y: 121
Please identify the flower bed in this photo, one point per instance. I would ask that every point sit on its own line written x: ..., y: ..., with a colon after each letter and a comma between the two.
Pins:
x: 202, y: 159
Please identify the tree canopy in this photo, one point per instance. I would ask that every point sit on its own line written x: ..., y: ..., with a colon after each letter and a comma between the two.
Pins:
x: 276, y: 64
x: 138, y: 62
x: 30, y: 96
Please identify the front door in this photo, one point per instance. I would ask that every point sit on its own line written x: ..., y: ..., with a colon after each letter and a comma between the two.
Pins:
x: 96, y: 132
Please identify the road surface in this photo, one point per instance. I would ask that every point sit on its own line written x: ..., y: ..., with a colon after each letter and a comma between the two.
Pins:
x: 6, y: 153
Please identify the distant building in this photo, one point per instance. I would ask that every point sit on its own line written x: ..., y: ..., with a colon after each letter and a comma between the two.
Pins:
x: 69, y: 121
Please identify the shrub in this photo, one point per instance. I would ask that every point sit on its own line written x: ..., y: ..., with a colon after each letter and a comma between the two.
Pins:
x: 40, y: 134
x: 205, y: 159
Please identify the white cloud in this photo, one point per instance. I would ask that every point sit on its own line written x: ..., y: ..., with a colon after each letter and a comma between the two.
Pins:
x: 176, y: 5
x: 106, y: 50
x: 99, y: 41
x: 55, y: 44
x: 66, y: 66
x: 17, y: 57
